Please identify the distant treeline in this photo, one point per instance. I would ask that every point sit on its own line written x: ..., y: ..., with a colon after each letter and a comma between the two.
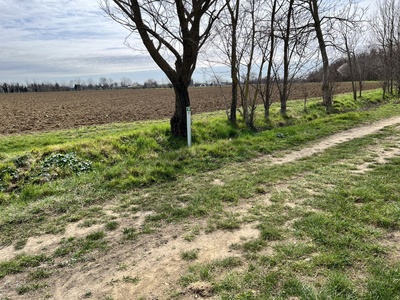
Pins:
x: 367, y: 65
x: 81, y: 85
x: 76, y: 85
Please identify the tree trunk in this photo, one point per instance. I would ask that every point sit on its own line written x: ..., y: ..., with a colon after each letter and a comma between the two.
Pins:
x: 286, y: 60
x: 178, y: 121
x: 235, y: 83
x: 351, y: 62
x: 326, y: 78
x: 234, y: 74
x: 234, y: 13
x: 179, y: 40
x: 268, y: 85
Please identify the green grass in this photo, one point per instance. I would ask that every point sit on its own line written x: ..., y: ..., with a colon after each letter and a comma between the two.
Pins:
x: 190, y: 255
x: 23, y: 289
x: 21, y: 263
x: 320, y: 237
x: 112, y: 225
x: 129, y: 234
x: 343, y: 236
x: 130, y: 279
x: 77, y: 248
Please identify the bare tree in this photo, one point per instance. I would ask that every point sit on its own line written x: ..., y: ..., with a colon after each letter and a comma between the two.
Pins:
x: 270, y: 44
x: 250, y: 71
x: 224, y: 46
x: 351, y: 37
x: 103, y: 83
x: 325, y: 15
x: 110, y: 83
x: 286, y: 37
x: 5, y: 87
x: 291, y: 29
x: 125, y: 82
x: 386, y: 28
x: 233, y: 8
x: 253, y: 32
x: 173, y: 32
x: 238, y: 39
x: 91, y: 84
x: 314, y: 8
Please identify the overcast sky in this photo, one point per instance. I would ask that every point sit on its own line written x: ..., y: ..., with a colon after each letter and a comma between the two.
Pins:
x: 62, y: 40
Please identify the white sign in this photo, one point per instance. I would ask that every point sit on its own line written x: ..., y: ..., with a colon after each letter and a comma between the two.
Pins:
x: 189, y: 126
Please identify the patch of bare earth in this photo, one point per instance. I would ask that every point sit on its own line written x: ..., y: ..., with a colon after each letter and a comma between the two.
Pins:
x: 381, y: 154
x: 150, y: 266
x: 392, y: 241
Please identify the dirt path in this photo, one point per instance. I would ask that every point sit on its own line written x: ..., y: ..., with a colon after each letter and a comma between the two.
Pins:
x: 333, y: 140
x: 154, y: 259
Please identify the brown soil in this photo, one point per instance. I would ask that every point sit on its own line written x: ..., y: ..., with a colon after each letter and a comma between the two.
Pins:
x: 31, y: 112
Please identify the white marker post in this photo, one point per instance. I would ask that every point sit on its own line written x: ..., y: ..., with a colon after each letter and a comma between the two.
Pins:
x: 189, y: 126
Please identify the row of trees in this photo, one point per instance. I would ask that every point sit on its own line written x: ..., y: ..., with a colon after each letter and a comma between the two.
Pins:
x: 79, y: 85
x: 386, y: 32
x: 264, y: 43
x: 366, y: 63
x: 103, y: 84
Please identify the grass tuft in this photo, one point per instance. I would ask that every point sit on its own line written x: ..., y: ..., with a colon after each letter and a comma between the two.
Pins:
x: 21, y: 263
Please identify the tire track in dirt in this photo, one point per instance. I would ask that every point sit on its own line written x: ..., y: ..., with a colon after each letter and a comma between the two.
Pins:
x: 331, y: 141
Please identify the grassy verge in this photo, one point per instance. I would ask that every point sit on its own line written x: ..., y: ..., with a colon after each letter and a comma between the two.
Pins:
x: 327, y: 232
x: 52, y: 176
x: 321, y: 235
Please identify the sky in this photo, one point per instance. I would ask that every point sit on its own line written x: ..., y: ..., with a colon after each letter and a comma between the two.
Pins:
x: 64, y: 40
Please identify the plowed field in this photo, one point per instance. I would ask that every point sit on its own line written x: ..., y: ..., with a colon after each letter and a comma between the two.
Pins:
x: 30, y: 112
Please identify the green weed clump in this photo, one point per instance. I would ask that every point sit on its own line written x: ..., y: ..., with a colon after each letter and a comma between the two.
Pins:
x: 64, y: 163
x: 20, y: 175
x: 8, y: 176
x: 20, y: 263
x: 77, y: 248
x: 190, y: 255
